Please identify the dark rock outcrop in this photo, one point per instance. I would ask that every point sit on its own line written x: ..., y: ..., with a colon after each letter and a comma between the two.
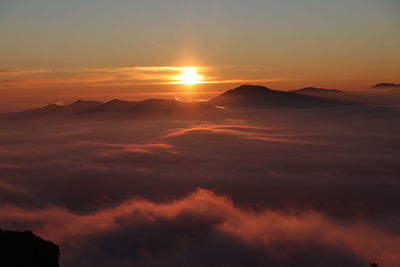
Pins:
x: 24, y: 249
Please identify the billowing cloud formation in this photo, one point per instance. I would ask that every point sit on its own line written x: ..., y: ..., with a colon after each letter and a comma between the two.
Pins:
x: 182, y: 232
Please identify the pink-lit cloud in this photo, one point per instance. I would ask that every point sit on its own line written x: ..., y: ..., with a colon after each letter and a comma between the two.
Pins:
x: 267, y: 134
x: 254, y: 229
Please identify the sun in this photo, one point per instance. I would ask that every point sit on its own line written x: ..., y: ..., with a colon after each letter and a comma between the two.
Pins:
x: 189, y: 76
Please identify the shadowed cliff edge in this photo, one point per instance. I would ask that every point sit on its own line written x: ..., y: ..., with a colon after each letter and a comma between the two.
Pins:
x: 24, y: 249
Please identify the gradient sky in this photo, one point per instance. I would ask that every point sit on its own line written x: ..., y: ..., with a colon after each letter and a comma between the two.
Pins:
x: 74, y: 45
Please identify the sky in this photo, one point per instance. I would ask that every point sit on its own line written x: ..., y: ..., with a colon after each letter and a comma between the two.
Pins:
x: 53, y: 48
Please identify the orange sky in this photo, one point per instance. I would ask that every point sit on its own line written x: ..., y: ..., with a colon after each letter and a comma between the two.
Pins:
x: 54, y: 50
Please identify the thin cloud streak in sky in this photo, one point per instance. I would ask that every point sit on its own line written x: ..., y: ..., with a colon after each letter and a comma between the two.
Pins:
x: 124, y: 76
x: 12, y: 72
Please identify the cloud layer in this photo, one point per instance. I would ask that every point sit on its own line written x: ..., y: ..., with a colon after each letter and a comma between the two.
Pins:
x: 280, y: 188
x: 205, y: 229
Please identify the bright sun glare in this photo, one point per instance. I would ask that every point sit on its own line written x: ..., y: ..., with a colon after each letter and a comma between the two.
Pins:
x: 189, y: 76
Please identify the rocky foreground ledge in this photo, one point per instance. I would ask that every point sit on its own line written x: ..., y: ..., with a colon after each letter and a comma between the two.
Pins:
x: 24, y: 249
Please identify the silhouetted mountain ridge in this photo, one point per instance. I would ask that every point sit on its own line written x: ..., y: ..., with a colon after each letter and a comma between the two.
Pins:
x: 249, y: 90
x: 317, y: 91
x: 146, y: 108
x: 263, y: 97
x: 386, y: 85
x: 242, y: 96
x: 115, y: 109
x: 85, y: 103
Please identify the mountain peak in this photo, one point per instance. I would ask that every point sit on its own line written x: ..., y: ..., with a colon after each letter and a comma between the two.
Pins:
x: 247, y: 89
x: 386, y: 85
x: 116, y: 101
x: 51, y: 107
x: 320, y: 89
x: 260, y: 96
x: 84, y: 102
x: 315, y: 90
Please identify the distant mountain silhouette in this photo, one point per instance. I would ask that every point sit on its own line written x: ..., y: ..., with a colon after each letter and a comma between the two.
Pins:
x: 386, y: 85
x: 113, y: 106
x: 243, y: 96
x: 260, y: 96
x: 115, y: 109
x: 56, y: 110
x: 147, y: 108
x: 80, y: 105
x: 317, y: 91
x: 24, y: 249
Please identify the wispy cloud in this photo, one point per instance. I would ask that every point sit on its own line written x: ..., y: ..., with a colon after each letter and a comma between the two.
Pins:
x: 14, y: 72
x: 254, y: 80
x: 267, y: 134
x: 127, y: 76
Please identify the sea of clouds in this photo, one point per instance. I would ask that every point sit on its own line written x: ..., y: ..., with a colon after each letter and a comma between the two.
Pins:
x: 249, y: 188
